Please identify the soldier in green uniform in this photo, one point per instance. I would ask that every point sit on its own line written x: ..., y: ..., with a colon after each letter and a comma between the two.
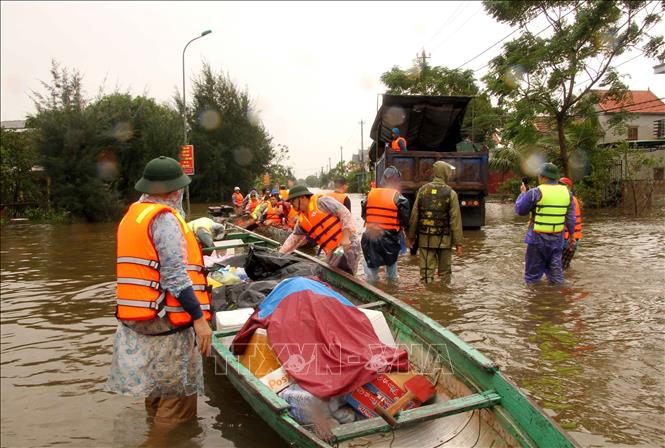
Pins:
x: 437, y: 222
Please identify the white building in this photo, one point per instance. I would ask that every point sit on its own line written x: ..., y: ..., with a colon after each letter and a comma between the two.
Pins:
x: 648, y: 122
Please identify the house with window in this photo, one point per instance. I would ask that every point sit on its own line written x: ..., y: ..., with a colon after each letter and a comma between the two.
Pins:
x: 647, y: 123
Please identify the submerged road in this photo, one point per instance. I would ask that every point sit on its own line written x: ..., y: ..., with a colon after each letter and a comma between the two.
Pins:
x: 591, y: 353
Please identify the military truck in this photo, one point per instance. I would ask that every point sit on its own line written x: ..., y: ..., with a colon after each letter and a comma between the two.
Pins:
x: 432, y: 126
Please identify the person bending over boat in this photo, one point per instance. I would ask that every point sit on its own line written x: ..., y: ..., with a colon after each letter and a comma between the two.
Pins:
x: 329, y: 224
x: 162, y: 302
x: 205, y: 230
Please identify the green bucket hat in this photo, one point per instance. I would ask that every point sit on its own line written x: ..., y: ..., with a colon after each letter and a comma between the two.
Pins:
x: 298, y: 191
x: 550, y: 171
x: 162, y: 175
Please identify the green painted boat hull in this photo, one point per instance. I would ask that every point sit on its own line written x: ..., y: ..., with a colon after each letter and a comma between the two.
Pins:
x: 509, y: 413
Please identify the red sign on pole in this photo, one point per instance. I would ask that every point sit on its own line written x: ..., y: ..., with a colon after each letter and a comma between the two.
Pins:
x: 187, y: 159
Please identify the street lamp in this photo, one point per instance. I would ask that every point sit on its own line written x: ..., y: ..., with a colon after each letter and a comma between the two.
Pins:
x: 184, y: 101
x: 184, y: 108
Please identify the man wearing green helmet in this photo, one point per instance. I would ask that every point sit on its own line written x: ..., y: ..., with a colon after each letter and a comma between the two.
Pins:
x: 552, y: 211
x: 328, y: 223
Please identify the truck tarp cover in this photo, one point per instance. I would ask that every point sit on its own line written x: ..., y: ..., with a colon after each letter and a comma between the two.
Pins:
x: 429, y: 123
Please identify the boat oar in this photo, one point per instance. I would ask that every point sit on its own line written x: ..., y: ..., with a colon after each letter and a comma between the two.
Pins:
x: 417, y: 387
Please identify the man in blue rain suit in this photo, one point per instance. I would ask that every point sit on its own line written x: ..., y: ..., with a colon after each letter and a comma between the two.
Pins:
x: 552, y: 211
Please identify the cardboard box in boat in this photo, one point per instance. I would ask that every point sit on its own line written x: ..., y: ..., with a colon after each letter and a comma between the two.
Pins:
x: 259, y: 357
x: 277, y: 380
x: 384, y: 390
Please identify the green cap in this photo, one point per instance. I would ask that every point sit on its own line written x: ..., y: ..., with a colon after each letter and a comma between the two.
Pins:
x: 162, y: 175
x: 550, y: 171
x: 298, y: 191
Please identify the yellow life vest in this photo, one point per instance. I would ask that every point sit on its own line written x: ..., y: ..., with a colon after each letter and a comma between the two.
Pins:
x: 551, y: 210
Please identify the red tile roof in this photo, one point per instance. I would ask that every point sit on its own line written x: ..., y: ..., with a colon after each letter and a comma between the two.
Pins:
x: 641, y: 101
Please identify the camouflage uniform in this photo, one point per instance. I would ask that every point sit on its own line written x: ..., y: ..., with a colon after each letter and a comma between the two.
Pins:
x: 437, y: 223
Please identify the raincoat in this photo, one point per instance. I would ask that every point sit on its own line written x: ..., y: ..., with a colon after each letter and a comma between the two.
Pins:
x: 435, y: 249
x: 145, y: 365
x: 543, y: 252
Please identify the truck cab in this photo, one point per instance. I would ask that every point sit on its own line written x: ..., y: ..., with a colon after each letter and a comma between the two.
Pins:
x: 432, y: 127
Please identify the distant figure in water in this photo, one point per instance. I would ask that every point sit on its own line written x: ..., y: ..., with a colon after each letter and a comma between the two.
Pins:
x: 568, y: 250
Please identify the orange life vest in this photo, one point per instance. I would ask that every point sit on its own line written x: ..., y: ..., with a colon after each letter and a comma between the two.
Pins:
x: 340, y: 197
x: 324, y: 228
x: 139, y: 295
x: 578, y: 221
x: 395, y: 144
x: 292, y: 218
x: 253, y: 203
x: 381, y: 210
x: 237, y: 199
x: 284, y: 194
x: 273, y: 215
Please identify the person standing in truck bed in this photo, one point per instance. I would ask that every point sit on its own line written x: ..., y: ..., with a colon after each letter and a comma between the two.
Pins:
x: 437, y: 222
x: 398, y: 143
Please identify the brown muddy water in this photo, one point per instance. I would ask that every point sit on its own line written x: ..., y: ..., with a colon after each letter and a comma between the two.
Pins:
x: 591, y: 353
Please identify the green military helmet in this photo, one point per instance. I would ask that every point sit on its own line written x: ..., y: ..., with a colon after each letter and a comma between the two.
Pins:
x: 550, y: 171
x: 162, y: 175
x: 298, y: 191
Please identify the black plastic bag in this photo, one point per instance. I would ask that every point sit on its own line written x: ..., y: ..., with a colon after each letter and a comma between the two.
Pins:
x: 241, y: 295
x: 262, y: 263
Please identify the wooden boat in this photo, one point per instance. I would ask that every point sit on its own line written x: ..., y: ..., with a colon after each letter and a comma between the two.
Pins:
x: 475, y: 406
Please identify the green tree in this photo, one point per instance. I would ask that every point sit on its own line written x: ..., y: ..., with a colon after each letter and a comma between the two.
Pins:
x: 66, y: 136
x: 554, y: 76
x: 231, y: 145
x: 278, y: 170
x: 131, y: 132
x: 312, y: 181
x: 95, y: 151
x: 17, y: 157
x: 481, y: 119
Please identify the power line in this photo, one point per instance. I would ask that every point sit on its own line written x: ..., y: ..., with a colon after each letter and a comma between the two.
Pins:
x: 473, y: 14
x: 460, y: 5
x: 489, y: 48
x: 535, y: 35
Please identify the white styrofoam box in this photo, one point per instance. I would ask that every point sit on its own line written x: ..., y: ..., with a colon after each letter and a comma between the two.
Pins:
x: 232, y: 319
x: 378, y: 321
x: 277, y: 380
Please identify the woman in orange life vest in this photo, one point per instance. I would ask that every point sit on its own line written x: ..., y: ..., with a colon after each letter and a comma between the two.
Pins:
x: 162, y: 301
x: 398, y: 143
x: 329, y: 224
x: 569, y: 251
x: 273, y: 213
x: 341, y: 188
x: 252, y: 201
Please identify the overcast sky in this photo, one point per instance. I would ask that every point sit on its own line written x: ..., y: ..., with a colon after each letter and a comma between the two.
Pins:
x: 313, y: 69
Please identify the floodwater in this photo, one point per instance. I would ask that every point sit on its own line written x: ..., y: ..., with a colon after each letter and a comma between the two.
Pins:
x: 591, y: 353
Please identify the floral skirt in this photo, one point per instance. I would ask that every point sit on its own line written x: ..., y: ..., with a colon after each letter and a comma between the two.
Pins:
x: 143, y: 366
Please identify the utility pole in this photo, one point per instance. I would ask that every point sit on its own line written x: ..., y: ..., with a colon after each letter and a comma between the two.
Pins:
x: 422, y: 59
x: 341, y: 154
x: 362, y: 146
x: 329, y: 165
